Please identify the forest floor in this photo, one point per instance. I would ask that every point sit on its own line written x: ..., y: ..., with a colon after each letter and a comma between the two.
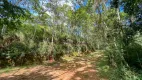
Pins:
x: 79, y: 68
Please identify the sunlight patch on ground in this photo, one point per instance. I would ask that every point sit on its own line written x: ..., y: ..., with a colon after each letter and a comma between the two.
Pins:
x: 79, y: 68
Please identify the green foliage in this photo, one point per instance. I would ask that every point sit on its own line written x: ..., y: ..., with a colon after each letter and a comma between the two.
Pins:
x: 113, y: 73
x: 131, y: 7
x: 27, y: 39
x: 133, y: 52
x: 11, y: 15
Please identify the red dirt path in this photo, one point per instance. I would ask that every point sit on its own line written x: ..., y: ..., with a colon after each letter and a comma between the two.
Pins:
x: 81, y: 68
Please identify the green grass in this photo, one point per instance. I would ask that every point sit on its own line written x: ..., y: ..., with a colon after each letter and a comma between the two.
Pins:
x: 9, y: 69
x: 113, y: 73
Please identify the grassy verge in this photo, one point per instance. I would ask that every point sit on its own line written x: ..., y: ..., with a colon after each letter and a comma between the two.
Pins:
x: 10, y: 69
x: 112, y: 73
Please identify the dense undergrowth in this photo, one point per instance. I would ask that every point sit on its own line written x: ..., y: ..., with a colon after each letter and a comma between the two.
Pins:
x: 25, y: 46
x: 106, y: 70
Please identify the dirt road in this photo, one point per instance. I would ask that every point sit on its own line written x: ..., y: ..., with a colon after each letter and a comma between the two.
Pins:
x: 81, y: 68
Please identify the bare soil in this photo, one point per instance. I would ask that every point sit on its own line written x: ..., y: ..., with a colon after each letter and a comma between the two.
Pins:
x: 81, y: 68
